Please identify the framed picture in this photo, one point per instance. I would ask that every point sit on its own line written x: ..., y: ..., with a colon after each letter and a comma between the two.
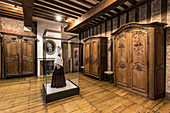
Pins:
x: 49, y: 47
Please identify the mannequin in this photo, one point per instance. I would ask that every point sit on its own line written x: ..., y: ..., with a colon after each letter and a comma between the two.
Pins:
x: 58, y: 78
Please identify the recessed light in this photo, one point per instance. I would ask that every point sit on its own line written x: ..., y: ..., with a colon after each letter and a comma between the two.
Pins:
x: 58, y: 18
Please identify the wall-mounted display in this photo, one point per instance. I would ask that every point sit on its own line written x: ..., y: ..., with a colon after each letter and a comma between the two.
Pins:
x: 49, y: 47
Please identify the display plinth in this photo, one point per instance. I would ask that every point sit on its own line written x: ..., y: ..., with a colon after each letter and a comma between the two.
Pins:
x: 52, y: 94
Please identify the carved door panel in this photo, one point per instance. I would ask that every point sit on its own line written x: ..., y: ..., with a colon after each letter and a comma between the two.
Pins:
x: 139, y: 61
x: 27, y: 56
x: 11, y: 55
x: 122, y: 59
x: 94, y: 56
x: 87, y: 56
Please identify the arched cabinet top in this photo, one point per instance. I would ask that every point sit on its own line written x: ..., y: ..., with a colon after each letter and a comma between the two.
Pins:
x: 138, y: 25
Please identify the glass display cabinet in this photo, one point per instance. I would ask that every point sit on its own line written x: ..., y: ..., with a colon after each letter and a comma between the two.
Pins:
x: 61, y: 64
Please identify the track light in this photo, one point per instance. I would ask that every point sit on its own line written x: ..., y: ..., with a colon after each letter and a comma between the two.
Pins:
x: 15, y: 7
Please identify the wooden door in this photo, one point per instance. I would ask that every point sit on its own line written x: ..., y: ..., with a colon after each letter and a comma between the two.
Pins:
x: 139, y: 60
x: 95, y: 57
x: 11, y: 56
x: 27, y: 56
x: 87, y: 56
x: 121, y: 63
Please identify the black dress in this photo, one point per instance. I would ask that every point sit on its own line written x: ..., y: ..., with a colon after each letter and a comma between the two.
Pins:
x: 58, y: 78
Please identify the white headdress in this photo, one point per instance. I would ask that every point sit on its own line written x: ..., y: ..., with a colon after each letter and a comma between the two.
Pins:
x: 58, y: 59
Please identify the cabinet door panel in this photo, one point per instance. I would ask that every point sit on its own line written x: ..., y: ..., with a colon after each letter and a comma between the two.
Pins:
x: 139, y: 63
x: 11, y: 55
x: 27, y: 55
x: 87, y: 56
x: 121, y: 59
x: 94, y: 57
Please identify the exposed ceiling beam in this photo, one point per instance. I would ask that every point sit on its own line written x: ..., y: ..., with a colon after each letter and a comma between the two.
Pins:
x: 11, y: 15
x: 46, y: 16
x: 64, y: 6
x: 57, y: 8
x: 28, y: 6
x: 97, y: 1
x: 11, y: 2
x: 95, y: 12
x: 87, y: 3
x: 74, y: 4
x: 53, y: 11
x: 99, y: 10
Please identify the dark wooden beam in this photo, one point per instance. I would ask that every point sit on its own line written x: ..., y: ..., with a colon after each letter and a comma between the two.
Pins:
x: 97, y: 1
x: 124, y: 6
x: 11, y: 2
x: 11, y: 15
x: 28, y: 6
x: 133, y: 2
x: 53, y: 11
x: 64, y: 6
x: 86, y: 3
x: 97, y: 11
x: 57, y: 8
x: 75, y: 4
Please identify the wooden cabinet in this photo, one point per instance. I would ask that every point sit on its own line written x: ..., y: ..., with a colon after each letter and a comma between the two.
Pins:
x: 138, y: 58
x: 18, y: 55
x: 95, y: 56
x: 72, y: 55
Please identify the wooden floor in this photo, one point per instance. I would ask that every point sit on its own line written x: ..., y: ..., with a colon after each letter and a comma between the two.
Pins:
x: 23, y: 95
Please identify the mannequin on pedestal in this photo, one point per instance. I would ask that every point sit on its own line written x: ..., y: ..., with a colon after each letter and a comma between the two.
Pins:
x: 58, y: 78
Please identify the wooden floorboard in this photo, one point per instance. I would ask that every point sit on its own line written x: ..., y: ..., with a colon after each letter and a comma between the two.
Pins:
x: 24, y: 95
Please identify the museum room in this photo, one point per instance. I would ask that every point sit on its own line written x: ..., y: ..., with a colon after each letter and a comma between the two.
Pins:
x: 84, y: 56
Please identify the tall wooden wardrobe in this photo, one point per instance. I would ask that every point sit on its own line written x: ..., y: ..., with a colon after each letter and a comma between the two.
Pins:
x: 95, y: 56
x: 18, y: 55
x: 138, y: 58
x: 72, y: 55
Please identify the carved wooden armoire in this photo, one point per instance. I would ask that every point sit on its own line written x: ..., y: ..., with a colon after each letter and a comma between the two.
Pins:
x: 18, y: 55
x: 138, y: 58
x: 95, y: 56
x: 72, y: 55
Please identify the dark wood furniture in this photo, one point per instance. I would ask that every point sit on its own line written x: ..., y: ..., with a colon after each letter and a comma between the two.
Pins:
x: 95, y: 56
x: 138, y: 58
x: 72, y: 62
x: 18, y: 55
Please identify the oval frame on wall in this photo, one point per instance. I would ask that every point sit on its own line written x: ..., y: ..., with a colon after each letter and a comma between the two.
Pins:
x: 50, y: 47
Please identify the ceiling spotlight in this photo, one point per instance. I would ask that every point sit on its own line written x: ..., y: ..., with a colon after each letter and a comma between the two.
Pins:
x: 15, y: 7
x: 58, y: 18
